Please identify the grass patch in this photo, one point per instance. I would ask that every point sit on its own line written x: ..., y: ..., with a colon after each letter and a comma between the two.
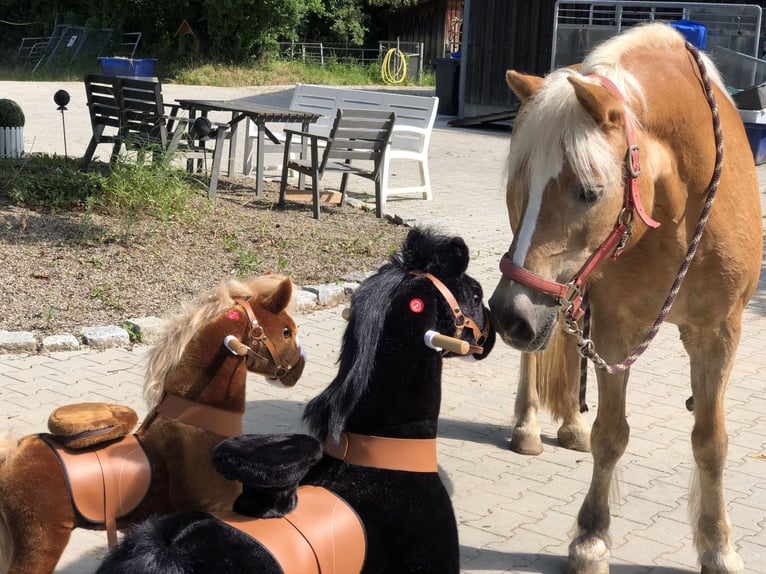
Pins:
x: 127, y: 191
x: 265, y: 73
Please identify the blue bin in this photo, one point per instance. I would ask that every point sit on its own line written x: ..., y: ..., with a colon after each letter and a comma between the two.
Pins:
x: 137, y: 67
x: 694, y: 32
x: 756, y: 136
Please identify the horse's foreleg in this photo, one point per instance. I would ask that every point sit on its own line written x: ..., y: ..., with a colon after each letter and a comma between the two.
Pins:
x: 574, y: 432
x: 37, y: 511
x: 525, y: 438
x: 712, y: 353
x: 40, y: 555
x: 589, y: 551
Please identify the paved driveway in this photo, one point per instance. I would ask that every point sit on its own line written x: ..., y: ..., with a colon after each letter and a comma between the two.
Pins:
x: 515, y: 512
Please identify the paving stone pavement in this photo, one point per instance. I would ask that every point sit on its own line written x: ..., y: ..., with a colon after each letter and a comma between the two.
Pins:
x: 515, y: 513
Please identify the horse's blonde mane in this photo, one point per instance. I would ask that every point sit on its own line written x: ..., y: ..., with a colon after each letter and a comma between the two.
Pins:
x: 553, y: 122
x: 166, y: 354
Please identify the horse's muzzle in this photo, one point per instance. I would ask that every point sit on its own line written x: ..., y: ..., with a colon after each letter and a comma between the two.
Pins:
x: 524, y: 318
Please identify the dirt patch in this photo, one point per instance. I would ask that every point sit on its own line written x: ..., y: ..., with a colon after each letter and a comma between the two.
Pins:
x: 68, y: 270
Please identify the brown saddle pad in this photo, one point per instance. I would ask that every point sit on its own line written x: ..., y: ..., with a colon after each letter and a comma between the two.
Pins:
x: 82, y: 425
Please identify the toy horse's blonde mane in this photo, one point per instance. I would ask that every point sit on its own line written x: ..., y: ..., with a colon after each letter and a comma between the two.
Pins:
x: 179, y: 330
x: 553, y: 126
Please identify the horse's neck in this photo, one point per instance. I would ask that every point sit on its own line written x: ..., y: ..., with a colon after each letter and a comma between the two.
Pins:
x: 215, y: 379
x: 402, y: 400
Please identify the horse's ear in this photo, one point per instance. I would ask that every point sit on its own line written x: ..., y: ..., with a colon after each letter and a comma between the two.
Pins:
x: 279, y: 298
x: 522, y: 85
x: 602, y: 105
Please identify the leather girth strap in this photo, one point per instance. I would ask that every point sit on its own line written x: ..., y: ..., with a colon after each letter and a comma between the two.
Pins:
x: 217, y: 421
x: 106, y: 482
x: 408, y: 454
x: 322, y: 535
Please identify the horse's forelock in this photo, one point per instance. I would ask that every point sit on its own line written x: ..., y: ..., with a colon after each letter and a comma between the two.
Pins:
x: 167, y: 353
x: 428, y: 251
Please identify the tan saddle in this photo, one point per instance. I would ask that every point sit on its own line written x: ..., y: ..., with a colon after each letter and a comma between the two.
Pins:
x: 322, y: 535
x: 107, y: 471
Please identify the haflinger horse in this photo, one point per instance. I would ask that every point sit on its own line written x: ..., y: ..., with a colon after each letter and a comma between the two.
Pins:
x: 370, y: 497
x: 51, y: 483
x: 612, y: 173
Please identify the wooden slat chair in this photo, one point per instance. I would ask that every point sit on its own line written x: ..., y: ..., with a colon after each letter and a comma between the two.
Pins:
x: 148, y: 126
x: 131, y: 112
x: 105, y: 115
x: 356, y: 135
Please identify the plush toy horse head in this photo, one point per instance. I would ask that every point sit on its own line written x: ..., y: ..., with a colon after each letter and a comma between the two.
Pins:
x: 195, y: 384
x: 362, y: 493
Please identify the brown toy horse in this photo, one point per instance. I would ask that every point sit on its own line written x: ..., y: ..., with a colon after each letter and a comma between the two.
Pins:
x: 195, y: 387
x: 613, y: 170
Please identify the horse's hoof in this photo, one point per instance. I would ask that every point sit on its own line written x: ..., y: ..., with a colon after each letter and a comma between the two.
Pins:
x: 524, y: 442
x: 574, y: 437
x: 718, y: 562
x: 588, y: 556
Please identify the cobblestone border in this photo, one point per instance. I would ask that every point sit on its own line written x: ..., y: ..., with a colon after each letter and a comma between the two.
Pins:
x: 148, y: 330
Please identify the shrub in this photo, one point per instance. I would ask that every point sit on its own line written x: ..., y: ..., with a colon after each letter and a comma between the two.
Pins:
x: 11, y: 114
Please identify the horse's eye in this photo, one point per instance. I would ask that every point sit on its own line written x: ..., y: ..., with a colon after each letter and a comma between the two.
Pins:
x: 476, y: 298
x: 589, y: 193
x: 287, y: 332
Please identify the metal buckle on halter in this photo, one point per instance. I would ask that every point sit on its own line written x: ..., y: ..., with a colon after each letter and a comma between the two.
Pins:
x: 634, y: 170
x: 572, y: 291
x: 626, y: 218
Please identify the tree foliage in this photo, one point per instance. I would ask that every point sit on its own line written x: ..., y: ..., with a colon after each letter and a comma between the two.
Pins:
x: 234, y: 30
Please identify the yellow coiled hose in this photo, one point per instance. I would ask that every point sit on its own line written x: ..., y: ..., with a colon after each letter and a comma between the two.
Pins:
x: 394, y: 68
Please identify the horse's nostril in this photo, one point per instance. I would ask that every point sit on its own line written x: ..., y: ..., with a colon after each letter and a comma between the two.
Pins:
x: 520, y: 331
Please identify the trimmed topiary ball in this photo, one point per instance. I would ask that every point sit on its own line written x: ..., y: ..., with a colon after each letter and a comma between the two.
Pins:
x: 11, y: 114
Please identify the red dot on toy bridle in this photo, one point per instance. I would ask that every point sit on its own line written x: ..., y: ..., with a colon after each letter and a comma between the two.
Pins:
x: 417, y: 305
x: 232, y: 315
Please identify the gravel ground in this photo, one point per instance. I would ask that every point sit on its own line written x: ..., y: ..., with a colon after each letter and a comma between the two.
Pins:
x: 64, y: 271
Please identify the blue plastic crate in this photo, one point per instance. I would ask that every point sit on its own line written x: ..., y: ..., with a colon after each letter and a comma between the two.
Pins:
x: 137, y: 67
x: 694, y: 32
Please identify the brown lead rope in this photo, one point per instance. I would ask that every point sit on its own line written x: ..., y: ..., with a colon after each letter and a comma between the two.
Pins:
x: 586, y: 345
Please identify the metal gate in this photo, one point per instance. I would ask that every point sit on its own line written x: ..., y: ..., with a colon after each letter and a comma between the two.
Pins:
x: 581, y: 25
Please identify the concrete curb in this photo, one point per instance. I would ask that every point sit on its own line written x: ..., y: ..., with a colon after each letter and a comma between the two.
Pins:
x: 148, y: 330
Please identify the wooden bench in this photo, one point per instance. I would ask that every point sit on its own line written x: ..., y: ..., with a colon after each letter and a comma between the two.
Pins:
x: 356, y: 135
x: 415, y: 116
x: 130, y: 112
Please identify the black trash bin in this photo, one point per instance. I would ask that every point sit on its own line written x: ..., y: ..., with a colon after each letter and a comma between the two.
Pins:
x: 447, y: 72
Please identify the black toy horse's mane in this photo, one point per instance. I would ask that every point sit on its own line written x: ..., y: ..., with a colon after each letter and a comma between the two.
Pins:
x: 423, y: 250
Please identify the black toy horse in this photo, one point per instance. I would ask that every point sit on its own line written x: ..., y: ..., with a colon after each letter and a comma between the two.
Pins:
x: 371, y: 500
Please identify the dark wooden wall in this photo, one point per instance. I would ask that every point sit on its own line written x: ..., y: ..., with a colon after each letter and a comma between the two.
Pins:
x: 428, y: 23
x: 502, y: 35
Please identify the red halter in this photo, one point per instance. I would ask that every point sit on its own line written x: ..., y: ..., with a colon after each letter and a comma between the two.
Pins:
x: 571, y: 293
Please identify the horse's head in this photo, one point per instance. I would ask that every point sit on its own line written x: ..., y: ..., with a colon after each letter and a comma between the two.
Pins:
x: 242, y: 327
x: 271, y: 341
x: 388, y: 373
x: 568, y: 184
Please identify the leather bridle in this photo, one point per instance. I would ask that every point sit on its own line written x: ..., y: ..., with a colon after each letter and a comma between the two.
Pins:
x: 570, y: 294
x: 461, y: 320
x: 282, y: 365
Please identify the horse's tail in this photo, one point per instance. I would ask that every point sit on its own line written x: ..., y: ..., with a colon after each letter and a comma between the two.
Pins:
x: 557, y: 377
x: 8, y: 443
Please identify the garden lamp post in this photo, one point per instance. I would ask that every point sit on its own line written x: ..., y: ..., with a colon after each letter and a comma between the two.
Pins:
x: 61, y: 98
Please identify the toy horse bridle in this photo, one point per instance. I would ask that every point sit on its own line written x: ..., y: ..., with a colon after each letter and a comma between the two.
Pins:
x: 462, y: 321
x: 220, y: 421
x: 282, y: 365
x: 570, y: 294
